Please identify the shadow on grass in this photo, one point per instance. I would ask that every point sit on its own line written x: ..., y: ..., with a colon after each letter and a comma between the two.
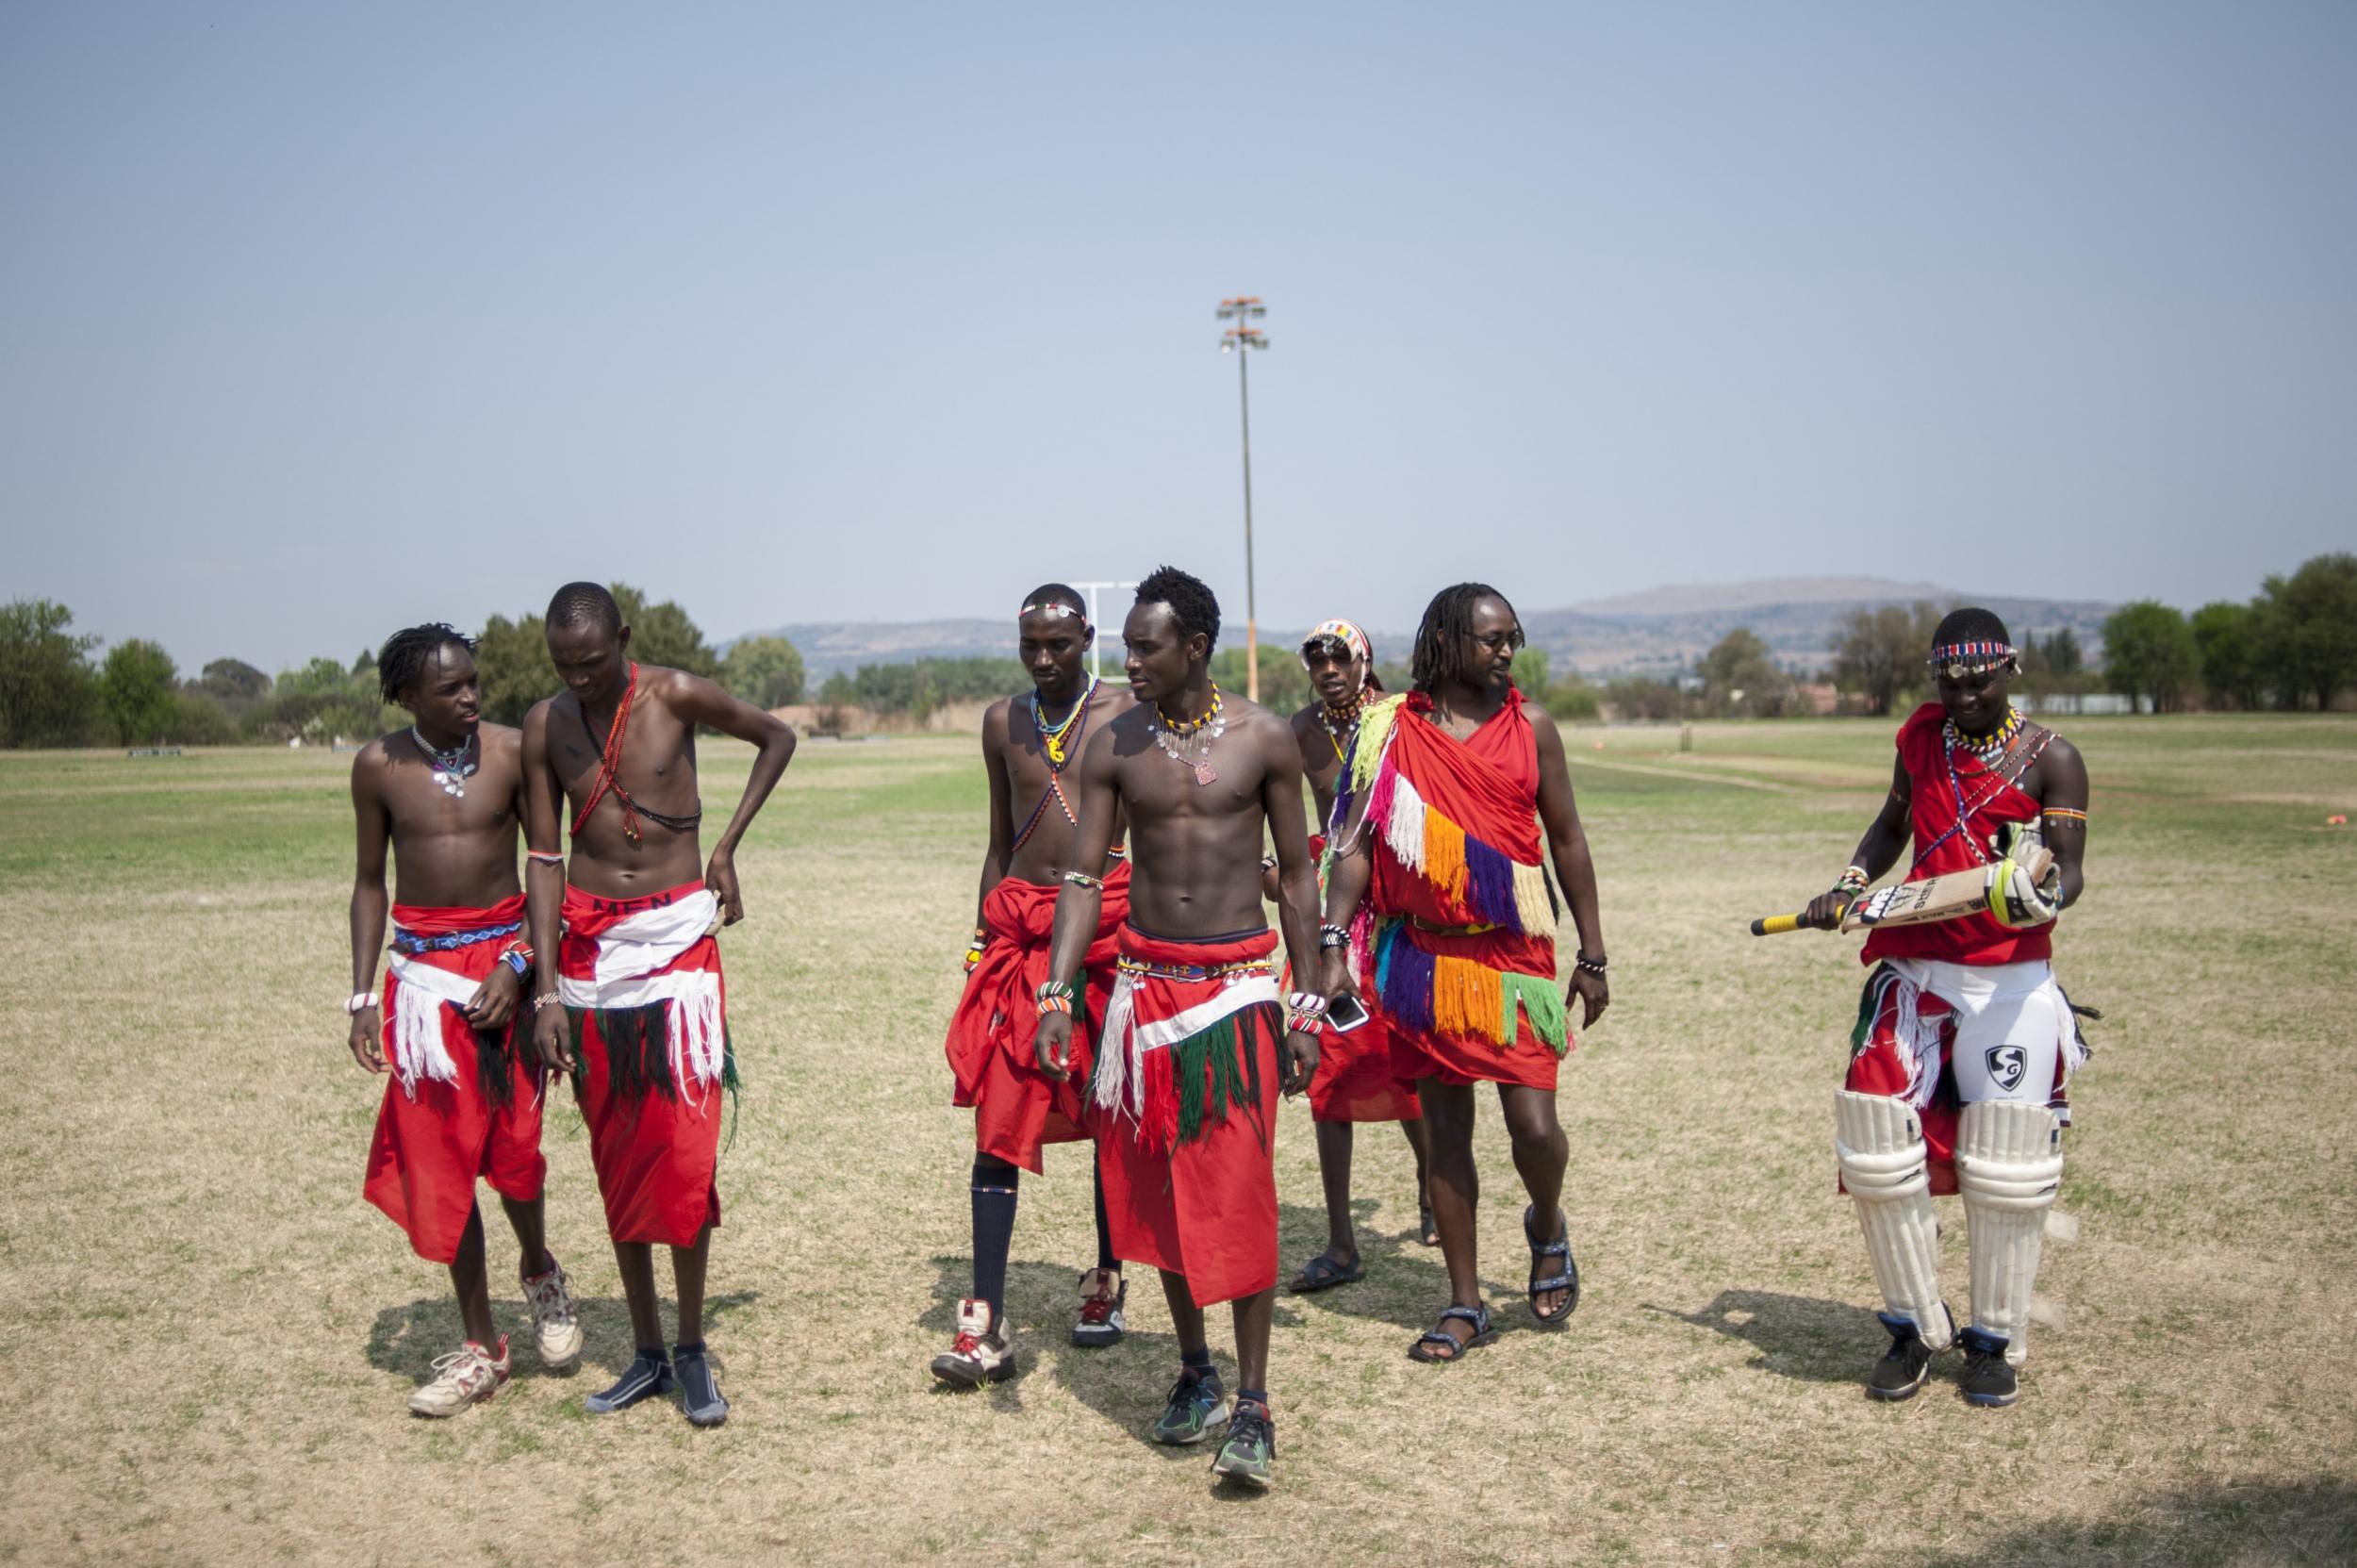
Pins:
x: 1803, y: 1337
x: 2243, y: 1526
x: 405, y: 1338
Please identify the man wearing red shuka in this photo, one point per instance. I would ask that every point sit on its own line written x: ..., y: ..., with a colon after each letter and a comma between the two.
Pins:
x: 1962, y: 1041
x: 630, y: 1002
x: 446, y: 794
x: 1029, y: 744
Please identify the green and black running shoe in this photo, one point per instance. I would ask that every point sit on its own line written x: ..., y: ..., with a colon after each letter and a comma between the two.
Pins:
x: 1252, y: 1444
x: 1197, y: 1404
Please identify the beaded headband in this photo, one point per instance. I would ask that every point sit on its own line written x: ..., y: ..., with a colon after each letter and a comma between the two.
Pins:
x: 1346, y: 632
x: 1958, y: 659
x: 1053, y: 609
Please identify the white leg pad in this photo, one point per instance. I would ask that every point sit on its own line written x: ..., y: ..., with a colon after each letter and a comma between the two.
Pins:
x: 2008, y: 1166
x: 1879, y: 1143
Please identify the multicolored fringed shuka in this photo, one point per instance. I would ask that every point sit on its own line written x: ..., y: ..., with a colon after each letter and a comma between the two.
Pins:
x: 643, y: 993
x: 1186, y: 1090
x: 1354, y: 1081
x: 1016, y: 1108
x: 1456, y: 936
x: 461, y: 1103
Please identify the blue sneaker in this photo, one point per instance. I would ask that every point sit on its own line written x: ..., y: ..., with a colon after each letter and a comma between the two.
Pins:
x: 1197, y: 1404
x: 649, y: 1374
x: 699, y: 1394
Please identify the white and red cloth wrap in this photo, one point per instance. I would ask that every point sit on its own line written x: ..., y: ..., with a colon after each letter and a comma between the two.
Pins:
x: 649, y: 956
x: 1152, y: 1012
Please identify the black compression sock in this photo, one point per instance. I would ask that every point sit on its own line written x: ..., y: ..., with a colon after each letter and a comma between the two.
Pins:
x: 1198, y: 1362
x: 1105, y: 1257
x: 995, y: 1183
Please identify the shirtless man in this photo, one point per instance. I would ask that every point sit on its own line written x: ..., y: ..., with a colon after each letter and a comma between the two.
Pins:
x: 447, y: 795
x: 1027, y: 744
x: 1354, y: 1081
x: 1188, y: 1066
x: 630, y: 1002
x: 1963, y: 1042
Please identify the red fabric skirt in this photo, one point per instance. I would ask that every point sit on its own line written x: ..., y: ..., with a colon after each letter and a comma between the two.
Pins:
x: 1016, y: 1109
x: 1357, y: 1078
x: 654, y: 1151
x: 427, y: 1152
x: 1206, y: 1207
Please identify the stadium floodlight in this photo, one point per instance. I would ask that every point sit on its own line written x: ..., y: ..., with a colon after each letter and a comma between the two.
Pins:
x: 1240, y: 340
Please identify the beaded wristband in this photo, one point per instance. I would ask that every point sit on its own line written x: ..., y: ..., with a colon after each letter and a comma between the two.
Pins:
x: 1081, y: 878
x: 1855, y: 879
x: 2066, y: 813
x: 544, y: 858
x: 1333, y: 936
x: 1307, y: 1001
x: 546, y: 998
x: 1593, y: 965
x: 1056, y: 996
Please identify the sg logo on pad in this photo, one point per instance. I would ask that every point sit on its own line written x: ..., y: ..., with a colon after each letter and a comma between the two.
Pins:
x: 2008, y: 1064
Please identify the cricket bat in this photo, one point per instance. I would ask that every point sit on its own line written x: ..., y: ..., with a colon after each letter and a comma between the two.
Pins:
x: 1916, y: 903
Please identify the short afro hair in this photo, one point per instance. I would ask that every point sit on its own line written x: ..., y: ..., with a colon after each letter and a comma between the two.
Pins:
x: 1056, y: 593
x: 1190, y: 600
x: 402, y: 658
x: 584, y: 604
x: 1971, y: 625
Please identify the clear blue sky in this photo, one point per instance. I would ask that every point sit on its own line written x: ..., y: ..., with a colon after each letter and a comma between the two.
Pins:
x: 319, y: 320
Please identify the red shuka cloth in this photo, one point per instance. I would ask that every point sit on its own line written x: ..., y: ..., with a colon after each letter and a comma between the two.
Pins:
x: 1205, y: 1208
x: 427, y: 1151
x: 654, y: 1154
x: 1488, y: 785
x: 1015, y: 1108
x: 1979, y: 938
x: 1354, y: 1081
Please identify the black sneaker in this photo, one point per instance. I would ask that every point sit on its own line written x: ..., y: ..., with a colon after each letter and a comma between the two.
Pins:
x: 649, y: 1374
x: 1906, y: 1366
x: 1988, y: 1378
x: 699, y: 1394
x: 1196, y: 1405
x: 1252, y: 1444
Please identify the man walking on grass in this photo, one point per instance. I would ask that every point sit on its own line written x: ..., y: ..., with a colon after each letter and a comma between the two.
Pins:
x: 446, y: 794
x: 1186, y: 1072
x: 631, y: 1004
x: 1028, y: 743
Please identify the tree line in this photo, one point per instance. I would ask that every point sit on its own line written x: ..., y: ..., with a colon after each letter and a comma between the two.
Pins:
x: 54, y: 692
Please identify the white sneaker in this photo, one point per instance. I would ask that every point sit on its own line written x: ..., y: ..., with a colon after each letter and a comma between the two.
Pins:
x: 468, y: 1375
x: 555, y: 1328
x: 977, y: 1355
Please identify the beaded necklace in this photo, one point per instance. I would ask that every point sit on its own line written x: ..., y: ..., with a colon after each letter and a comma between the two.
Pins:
x: 1991, y: 752
x: 1341, y: 737
x: 1060, y: 744
x: 452, y: 768
x: 1188, y: 741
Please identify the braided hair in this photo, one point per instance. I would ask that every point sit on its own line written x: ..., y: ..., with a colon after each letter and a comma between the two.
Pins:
x: 402, y: 658
x: 1440, y: 651
x: 584, y: 604
x: 1190, y: 602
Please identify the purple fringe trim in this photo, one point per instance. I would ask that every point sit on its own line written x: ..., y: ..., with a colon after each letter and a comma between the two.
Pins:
x: 1490, y: 886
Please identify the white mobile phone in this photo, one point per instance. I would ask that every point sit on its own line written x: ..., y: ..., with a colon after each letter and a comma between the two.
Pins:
x: 1346, y: 1014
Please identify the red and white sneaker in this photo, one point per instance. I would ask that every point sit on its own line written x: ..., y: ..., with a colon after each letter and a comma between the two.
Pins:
x: 468, y: 1375
x: 1099, y: 1323
x: 977, y: 1355
x: 555, y: 1327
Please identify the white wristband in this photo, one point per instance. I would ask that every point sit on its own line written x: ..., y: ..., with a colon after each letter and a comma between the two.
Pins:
x: 360, y: 1002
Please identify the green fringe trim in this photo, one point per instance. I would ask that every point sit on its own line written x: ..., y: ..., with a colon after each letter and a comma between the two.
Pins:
x: 1869, y: 1003
x: 1537, y: 997
x: 1233, y: 1073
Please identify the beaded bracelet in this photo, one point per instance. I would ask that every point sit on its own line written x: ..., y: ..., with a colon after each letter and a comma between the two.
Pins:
x: 2065, y: 813
x: 1081, y: 878
x: 544, y: 858
x: 1308, y: 1001
x: 1333, y: 936
x: 1056, y: 996
x: 546, y: 999
x: 1856, y: 880
x: 1593, y: 965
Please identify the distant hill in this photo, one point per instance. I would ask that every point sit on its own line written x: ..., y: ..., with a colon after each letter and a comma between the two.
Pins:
x: 1659, y: 630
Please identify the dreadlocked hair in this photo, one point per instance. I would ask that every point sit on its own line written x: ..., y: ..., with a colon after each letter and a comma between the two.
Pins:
x: 402, y: 658
x: 1971, y: 625
x: 584, y: 604
x: 1447, y: 622
x: 1056, y: 593
x: 1190, y: 602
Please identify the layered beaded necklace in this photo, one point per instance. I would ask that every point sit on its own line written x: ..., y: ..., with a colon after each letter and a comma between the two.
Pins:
x: 1342, y: 724
x: 1992, y: 745
x: 1188, y: 741
x: 1058, y: 742
x: 453, y: 767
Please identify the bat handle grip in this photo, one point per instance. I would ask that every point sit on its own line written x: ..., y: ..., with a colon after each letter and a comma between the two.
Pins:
x: 1775, y: 925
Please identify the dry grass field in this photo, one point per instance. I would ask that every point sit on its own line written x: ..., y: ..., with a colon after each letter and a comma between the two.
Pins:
x: 210, y: 1337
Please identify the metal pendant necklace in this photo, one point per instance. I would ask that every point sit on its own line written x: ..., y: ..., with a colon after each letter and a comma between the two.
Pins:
x: 452, y: 768
x: 1188, y: 741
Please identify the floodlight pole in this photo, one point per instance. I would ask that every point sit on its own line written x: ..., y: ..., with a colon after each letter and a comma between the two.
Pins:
x: 1240, y: 339
x: 1097, y: 645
